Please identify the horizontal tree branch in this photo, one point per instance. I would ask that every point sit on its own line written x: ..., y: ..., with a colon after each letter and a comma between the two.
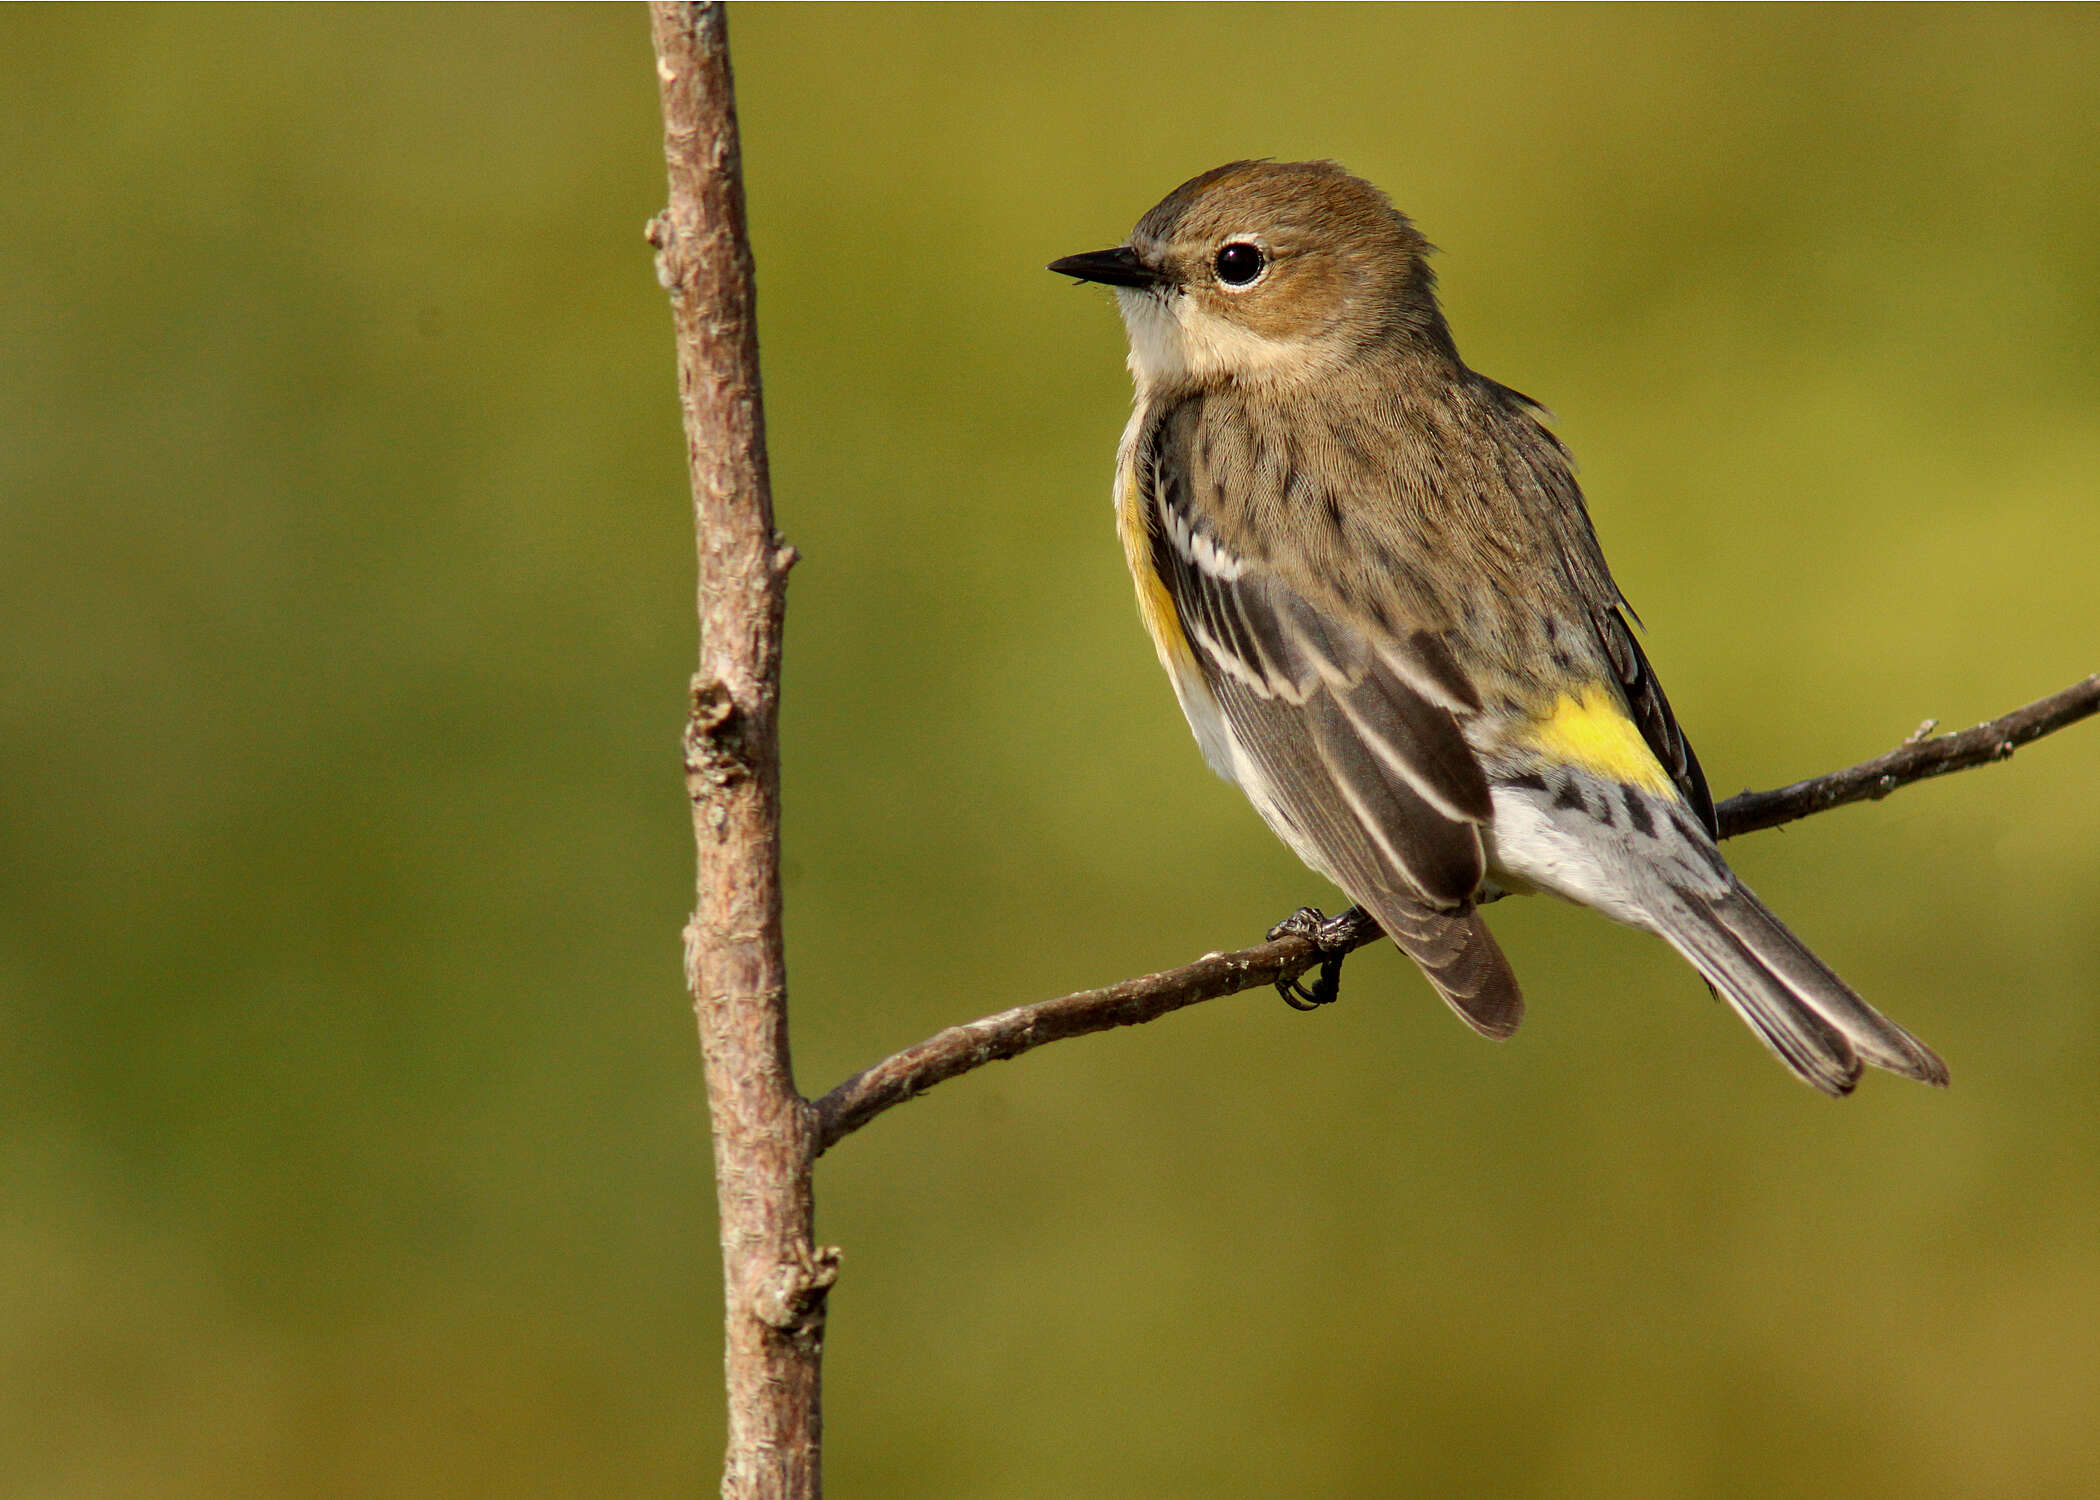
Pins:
x: 1919, y: 758
x: 1011, y: 1032
x: 959, y: 1049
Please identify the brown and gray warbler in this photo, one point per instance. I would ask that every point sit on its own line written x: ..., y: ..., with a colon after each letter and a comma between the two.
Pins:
x: 1372, y: 579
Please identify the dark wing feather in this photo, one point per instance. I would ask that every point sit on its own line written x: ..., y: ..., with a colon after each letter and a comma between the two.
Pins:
x: 1371, y: 770
x: 1358, y: 750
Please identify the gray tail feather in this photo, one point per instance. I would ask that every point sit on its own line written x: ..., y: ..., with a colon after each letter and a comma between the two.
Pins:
x: 1458, y: 955
x: 1807, y: 1015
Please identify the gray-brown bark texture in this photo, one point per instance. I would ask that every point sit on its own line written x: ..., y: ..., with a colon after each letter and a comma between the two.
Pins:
x: 774, y: 1277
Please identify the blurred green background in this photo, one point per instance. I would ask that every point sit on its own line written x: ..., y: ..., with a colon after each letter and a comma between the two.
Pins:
x: 353, y: 1138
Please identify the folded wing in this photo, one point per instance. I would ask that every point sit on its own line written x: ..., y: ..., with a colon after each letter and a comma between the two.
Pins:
x: 1351, y: 748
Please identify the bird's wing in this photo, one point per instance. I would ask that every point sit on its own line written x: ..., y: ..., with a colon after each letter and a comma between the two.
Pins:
x: 1358, y: 742
x: 1548, y: 472
x: 1350, y: 746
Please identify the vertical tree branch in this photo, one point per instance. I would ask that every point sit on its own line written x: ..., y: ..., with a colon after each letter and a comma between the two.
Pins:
x: 774, y: 1277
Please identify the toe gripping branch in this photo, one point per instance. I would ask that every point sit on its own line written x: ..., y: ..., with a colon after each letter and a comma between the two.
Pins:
x: 1334, y: 937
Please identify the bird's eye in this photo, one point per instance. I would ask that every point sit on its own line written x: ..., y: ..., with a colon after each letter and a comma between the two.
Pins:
x: 1239, y: 263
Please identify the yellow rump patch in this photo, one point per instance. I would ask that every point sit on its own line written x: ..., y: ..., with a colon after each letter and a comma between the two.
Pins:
x: 1595, y: 734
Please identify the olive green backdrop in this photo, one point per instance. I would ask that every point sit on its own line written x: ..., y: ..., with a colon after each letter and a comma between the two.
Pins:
x: 353, y: 1141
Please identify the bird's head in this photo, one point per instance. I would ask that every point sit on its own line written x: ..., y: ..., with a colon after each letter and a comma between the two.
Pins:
x: 1262, y: 271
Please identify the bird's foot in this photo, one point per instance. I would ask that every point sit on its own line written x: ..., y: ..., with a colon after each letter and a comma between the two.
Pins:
x: 1333, y: 936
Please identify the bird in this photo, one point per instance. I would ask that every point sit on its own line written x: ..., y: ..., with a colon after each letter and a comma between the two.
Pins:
x: 1374, y: 584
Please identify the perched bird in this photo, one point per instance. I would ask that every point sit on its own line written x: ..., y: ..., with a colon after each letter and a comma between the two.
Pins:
x: 1371, y: 576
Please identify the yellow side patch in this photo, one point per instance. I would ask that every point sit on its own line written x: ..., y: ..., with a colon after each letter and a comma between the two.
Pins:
x: 1154, y: 605
x: 1595, y: 734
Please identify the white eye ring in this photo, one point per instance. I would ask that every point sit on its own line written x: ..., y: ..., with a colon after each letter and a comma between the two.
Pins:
x: 1238, y: 264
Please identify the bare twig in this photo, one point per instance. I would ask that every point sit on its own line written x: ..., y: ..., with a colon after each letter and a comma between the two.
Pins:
x: 960, y: 1048
x: 1008, y: 1034
x: 1918, y: 758
x: 774, y: 1276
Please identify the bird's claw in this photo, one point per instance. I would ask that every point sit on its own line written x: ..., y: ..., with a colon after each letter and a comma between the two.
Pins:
x: 1326, y: 934
x: 1325, y: 990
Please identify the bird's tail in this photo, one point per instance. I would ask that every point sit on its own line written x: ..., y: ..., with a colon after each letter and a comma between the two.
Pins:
x: 1807, y: 1015
x: 1458, y: 955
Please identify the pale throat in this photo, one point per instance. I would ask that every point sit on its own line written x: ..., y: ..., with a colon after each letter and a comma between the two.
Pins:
x: 1174, y: 342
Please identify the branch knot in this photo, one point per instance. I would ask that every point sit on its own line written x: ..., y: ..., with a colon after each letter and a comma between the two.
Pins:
x: 790, y: 1298
x: 662, y: 234
x: 717, y: 754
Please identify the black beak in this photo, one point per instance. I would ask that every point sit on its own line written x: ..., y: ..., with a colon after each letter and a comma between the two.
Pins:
x: 1117, y: 267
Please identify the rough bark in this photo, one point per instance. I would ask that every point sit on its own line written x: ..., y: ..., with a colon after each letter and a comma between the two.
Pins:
x: 774, y: 1276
